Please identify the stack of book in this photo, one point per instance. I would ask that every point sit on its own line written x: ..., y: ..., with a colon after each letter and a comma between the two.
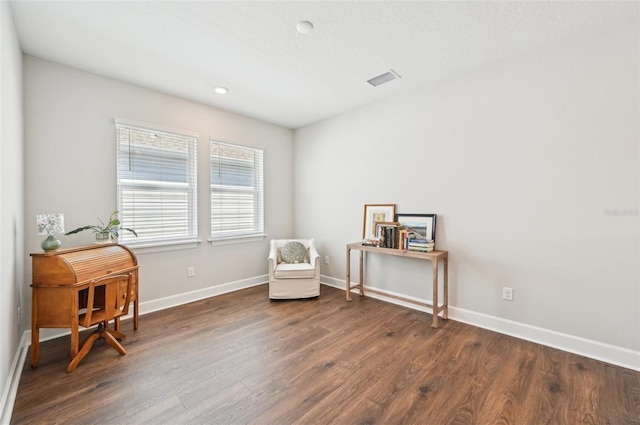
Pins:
x: 421, y: 245
x: 371, y: 242
x: 388, y: 235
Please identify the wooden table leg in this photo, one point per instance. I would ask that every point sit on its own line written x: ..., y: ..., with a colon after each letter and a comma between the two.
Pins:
x: 361, y: 285
x: 445, y: 263
x: 35, y: 346
x: 75, y: 337
x: 35, y: 331
x: 135, y: 312
x: 435, y: 294
x: 348, y: 277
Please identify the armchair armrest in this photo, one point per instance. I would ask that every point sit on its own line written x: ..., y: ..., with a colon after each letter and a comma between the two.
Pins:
x: 273, y: 256
x: 313, y: 253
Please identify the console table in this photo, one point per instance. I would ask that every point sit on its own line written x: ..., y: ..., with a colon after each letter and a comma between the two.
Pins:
x: 435, y: 257
x: 61, y: 286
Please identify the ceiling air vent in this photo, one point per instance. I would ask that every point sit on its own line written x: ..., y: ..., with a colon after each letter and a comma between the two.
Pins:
x: 383, y: 78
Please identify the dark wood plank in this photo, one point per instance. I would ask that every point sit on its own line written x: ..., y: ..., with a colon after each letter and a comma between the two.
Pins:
x: 242, y: 359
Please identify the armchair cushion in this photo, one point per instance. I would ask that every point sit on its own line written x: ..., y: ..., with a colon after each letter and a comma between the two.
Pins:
x: 293, y: 252
x: 295, y: 271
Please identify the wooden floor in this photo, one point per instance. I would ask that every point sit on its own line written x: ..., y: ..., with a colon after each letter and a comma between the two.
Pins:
x: 242, y: 359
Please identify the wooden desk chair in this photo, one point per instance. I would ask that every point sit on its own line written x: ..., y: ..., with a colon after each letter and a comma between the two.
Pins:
x: 106, y: 299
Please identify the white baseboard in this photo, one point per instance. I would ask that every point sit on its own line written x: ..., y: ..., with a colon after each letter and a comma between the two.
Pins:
x: 200, y: 294
x: 607, y: 353
x: 596, y: 350
x: 11, y: 388
x: 168, y: 302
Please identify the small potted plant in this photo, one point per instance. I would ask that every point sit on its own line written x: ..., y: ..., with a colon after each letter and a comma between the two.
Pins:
x: 105, y: 233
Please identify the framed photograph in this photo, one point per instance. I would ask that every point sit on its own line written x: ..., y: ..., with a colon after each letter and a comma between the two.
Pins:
x: 420, y: 226
x: 374, y: 213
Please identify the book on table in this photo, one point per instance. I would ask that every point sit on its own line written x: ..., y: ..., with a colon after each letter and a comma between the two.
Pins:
x: 421, y: 245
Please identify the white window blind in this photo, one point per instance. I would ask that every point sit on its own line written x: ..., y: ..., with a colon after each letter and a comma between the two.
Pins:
x: 157, y: 187
x: 237, y: 191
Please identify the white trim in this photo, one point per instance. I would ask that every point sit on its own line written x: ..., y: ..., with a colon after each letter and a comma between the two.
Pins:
x: 11, y: 388
x: 47, y: 334
x: 145, y: 126
x: 607, y: 353
x: 226, y: 191
x: 149, y: 247
x: 200, y: 294
x: 237, y: 239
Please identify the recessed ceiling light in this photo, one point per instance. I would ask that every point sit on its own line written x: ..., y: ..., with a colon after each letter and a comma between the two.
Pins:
x: 221, y: 90
x: 304, y: 27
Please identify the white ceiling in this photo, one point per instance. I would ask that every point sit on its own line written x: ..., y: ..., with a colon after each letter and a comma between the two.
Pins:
x: 279, y: 75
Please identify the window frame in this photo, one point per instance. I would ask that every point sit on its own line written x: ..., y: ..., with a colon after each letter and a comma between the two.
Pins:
x: 188, y: 188
x: 257, y: 231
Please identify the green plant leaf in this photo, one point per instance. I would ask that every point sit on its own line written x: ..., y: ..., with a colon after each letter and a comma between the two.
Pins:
x: 80, y: 229
x: 111, y: 227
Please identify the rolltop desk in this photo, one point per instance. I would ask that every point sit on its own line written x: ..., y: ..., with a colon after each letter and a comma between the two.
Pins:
x: 60, y: 283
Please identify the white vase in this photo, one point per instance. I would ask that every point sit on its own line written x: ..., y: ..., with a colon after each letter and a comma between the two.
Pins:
x: 104, y: 238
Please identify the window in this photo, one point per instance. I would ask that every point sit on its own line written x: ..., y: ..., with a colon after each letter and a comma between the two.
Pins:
x: 237, y: 193
x: 156, y: 184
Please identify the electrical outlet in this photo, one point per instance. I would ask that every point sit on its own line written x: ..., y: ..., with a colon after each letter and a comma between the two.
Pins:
x: 191, y: 271
x: 507, y: 294
x: 326, y: 259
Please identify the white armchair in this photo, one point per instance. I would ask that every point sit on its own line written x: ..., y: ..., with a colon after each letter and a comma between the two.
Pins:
x: 298, y: 278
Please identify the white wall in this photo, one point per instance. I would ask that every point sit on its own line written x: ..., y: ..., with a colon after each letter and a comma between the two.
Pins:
x: 520, y: 160
x: 11, y: 206
x: 71, y: 168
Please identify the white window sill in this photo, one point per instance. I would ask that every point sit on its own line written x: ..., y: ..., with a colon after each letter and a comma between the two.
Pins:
x: 237, y: 239
x: 150, y: 247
